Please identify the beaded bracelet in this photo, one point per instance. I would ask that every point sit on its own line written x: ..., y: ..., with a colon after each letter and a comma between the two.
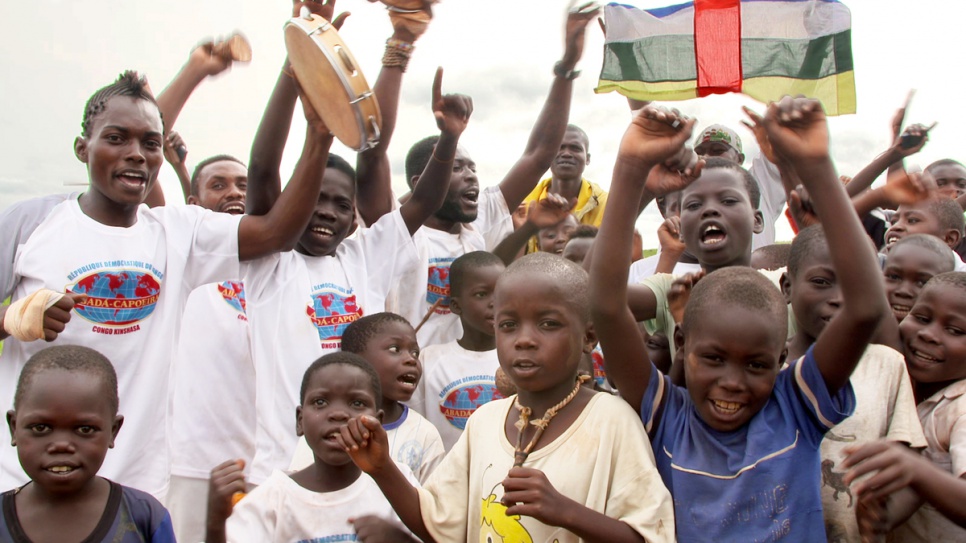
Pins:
x: 397, y: 54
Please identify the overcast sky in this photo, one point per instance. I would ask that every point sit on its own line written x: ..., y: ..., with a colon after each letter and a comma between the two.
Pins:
x: 501, y: 52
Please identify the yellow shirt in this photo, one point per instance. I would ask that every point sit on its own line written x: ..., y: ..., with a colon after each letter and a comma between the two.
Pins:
x: 591, y: 202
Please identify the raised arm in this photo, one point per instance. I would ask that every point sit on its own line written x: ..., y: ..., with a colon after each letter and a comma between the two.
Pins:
x: 452, y: 113
x: 798, y: 131
x: 653, y: 137
x: 548, y: 132
x: 175, y: 152
x: 264, y: 180
x: 279, y: 229
x: 895, y: 153
x: 373, y: 173
x: 545, y: 213
x: 204, y: 61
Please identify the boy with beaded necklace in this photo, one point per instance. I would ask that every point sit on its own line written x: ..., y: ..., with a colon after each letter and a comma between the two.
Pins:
x: 542, y: 329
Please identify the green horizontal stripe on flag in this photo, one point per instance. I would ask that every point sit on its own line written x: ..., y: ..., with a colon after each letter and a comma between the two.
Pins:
x: 655, y: 58
x: 672, y: 58
x: 801, y: 59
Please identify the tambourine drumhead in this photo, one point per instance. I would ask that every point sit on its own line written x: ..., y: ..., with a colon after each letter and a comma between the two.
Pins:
x: 333, y: 82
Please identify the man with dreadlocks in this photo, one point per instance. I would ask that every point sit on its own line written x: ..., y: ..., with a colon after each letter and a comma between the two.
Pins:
x: 126, y: 270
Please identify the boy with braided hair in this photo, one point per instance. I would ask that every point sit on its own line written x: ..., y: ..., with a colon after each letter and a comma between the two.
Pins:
x: 128, y: 269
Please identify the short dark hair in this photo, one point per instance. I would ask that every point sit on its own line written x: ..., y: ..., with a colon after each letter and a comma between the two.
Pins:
x: 943, y: 162
x: 808, y: 241
x: 204, y: 164
x: 583, y: 134
x: 949, y: 213
x: 359, y: 333
x: 953, y: 279
x: 735, y: 286
x: 930, y: 243
x: 469, y: 261
x: 70, y: 358
x: 570, y: 278
x: 751, y: 185
x: 775, y: 256
x: 128, y: 83
x: 585, y: 231
x: 418, y: 157
x: 338, y: 163
x: 345, y: 359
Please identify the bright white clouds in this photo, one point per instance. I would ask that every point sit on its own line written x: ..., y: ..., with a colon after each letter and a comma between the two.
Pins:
x: 500, y: 52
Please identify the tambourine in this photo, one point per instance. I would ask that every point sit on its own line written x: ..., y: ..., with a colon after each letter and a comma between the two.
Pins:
x: 332, y: 81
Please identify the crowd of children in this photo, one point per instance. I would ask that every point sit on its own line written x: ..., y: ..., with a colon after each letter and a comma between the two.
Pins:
x: 460, y: 373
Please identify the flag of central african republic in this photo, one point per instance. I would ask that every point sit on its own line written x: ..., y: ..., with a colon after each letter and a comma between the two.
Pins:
x: 763, y: 48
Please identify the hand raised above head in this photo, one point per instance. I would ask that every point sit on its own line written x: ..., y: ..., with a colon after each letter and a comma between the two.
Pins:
x: 312, y: 117
x: 912, y: 140
x: 900, y: 115
x: 656, y: 135
x: 452, y: 111
x: 577, y: 20
x: 756, y: 124
x: 903, y: 188
x: 549, y: 211
x: 204, y: 58
x: 797, y: 128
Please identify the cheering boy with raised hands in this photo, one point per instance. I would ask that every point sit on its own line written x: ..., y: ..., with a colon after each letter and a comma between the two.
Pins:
x: 739, y: 446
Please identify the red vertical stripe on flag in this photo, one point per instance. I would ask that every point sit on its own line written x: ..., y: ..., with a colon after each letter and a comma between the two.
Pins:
x: 717, y: 45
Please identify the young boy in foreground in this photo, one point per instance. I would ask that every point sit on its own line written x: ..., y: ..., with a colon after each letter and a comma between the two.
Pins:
x: 739, y: 446
x: 388, y: 342
x: 63, y: 422
x: 331, y: 499
x: 488, y: 489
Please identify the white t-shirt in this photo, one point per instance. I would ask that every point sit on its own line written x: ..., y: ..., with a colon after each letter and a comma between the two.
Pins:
x: 417, y: 289
x: 645, y: 267
x: 455, y: 383
x: 298, y: 308
x: 213, y: 397
x: 281, y: 511
x: 603, y: 461
x: 772, y: 199
x: 138, y: 280
x: 884, y: 409
x: 413, y: 441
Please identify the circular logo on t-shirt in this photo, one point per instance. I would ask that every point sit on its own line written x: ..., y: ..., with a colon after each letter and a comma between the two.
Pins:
x: 332, y: 313
x: 234, y: 294
x: 461, y: 401
x: 117, y: 297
